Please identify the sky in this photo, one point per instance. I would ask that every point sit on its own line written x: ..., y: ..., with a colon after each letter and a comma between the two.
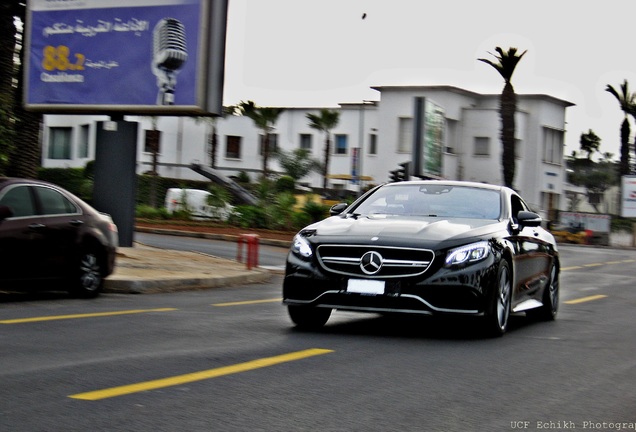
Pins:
x: 302, y: 53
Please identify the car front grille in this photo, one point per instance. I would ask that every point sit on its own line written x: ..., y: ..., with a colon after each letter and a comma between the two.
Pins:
x: 378, y: 262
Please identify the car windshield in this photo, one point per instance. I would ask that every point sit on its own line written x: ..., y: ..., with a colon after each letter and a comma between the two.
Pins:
x: 432, y: 200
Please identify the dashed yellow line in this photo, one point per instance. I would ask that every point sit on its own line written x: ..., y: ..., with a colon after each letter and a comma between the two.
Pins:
x: 198, y: 376
x: 86, y: 315
x: 586, y: 299
x: 247, y: 302
x: 582, y: 266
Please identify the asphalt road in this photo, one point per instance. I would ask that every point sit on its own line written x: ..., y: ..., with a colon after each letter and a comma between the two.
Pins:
x: 229, y: 360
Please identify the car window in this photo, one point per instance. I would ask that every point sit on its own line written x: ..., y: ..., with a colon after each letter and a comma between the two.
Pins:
x: 54, y: 203
x: 517, y: 205
x: 19, y: 200
x: 433, y: 201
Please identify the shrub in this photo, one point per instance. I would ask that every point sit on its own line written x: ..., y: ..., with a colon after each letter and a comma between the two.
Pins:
x: 315, y: 211
x: 148, y: 212
x: 246, y: 216
x: 285, y: 184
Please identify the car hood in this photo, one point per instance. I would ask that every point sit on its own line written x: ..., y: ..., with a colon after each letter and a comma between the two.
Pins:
x: 390, y: 228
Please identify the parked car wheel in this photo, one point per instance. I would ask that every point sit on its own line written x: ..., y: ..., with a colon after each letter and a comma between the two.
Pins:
x: 308, y: 318
x: 498, y: 311
x: 89, y: 279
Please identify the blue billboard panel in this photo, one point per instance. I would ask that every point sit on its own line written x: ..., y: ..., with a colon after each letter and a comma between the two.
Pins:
x: 100, y: 54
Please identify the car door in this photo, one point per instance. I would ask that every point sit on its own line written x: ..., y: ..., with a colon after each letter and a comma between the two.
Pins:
x: 62, y: 222
x: 21, y: 235
x: 533, y: 260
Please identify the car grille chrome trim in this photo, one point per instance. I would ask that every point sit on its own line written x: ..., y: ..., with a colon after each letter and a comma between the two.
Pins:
x: 396, y: 261
x: 376, y: 309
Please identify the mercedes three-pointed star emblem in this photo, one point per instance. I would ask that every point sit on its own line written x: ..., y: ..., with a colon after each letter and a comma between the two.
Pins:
x: 371, y: 262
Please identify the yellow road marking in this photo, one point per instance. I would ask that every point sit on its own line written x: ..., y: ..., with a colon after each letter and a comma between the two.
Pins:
x: 239, y: 303
x: 586, y: 299
x: 596, y: 264
x: 86, y: 315
x: 198, y: 376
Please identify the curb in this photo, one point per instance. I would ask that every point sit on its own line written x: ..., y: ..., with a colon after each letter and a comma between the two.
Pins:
x: 129, y: 285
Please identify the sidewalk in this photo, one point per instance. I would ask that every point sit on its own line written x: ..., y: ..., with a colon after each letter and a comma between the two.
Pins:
x: 145, y: 269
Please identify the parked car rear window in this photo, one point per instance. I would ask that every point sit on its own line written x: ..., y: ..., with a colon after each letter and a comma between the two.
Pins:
x: 54, y: 203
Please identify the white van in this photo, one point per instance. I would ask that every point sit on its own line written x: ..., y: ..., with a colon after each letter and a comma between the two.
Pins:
x: 196, y: 202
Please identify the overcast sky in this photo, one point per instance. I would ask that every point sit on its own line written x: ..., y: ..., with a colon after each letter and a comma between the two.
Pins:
x: 322, y: 52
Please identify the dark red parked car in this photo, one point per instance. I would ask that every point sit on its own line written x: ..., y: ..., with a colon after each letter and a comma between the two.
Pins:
x: 48, y: 234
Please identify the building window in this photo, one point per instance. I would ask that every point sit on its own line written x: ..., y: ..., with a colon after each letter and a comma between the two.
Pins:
x: 373, y: 144
x: 152, y: 142
x: 518, y: 149
x: 273, y: 143
x: 405, y: 135
x: 60, y: 142
x: 305, y: 141
x: 482, y: 146
x: 552, y: 146
x: 341, y: 144
x: 232, y: 147
x: 82, y: 150
x: 451, y: 136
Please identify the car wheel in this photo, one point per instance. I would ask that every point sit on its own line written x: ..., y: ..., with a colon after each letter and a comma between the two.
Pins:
x: 498, y: 311
x: 548, y: 311
x: 88, y: 279
x: 308, y: 318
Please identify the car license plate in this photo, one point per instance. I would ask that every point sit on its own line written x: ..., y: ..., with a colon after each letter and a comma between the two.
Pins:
x: 365, y: 286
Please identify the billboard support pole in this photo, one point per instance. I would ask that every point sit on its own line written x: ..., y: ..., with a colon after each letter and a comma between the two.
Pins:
x: 114, y: 191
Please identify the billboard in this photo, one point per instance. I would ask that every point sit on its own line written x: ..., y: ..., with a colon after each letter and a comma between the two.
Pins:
x: 428, y: 138
x: 628, y: 198
x: 135, y: 57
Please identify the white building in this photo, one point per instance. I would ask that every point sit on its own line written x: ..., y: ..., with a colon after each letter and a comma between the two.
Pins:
x: 377, y: 135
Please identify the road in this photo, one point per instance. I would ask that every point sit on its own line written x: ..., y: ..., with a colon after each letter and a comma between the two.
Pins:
x: 229, y: 360
x: 268, y: 255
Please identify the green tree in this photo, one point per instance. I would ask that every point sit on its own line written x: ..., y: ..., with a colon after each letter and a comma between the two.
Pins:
x: 590, y: 143
x: 325, y: 122
x: 596, y: 177
x: 626, y: 101
x: 506, y: 63
x: 297, y: 163
x: 265, y: 119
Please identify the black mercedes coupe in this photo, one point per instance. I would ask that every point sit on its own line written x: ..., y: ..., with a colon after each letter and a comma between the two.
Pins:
x: 425, y: 247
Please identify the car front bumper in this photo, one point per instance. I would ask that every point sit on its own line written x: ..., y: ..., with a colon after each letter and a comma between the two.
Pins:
x: 439, y: 291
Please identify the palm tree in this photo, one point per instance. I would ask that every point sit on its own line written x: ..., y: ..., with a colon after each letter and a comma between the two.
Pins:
x: 17, y: 125
x: 626, y: 101
x: 8, y: 11
x: 324, y: 122
x: 506, y: 63
x: 265, y: 119
x: 297, y: 163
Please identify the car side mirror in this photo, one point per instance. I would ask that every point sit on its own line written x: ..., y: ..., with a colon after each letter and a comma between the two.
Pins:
x: 528, y: 219
x: 338, y: 208
x: 5, y: 212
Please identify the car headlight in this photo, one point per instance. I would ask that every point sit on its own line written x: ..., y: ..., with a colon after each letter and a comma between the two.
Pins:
x: 467, y: 254
x: 300, y: 246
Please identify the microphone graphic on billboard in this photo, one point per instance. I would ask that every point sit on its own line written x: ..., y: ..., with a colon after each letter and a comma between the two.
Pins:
x: 169, y: 56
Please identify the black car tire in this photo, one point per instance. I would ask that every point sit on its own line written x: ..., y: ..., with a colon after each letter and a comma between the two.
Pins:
x: 548, y: 311
x: 498, y: 307
x: 88, y: 280
x: 308, y: 318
